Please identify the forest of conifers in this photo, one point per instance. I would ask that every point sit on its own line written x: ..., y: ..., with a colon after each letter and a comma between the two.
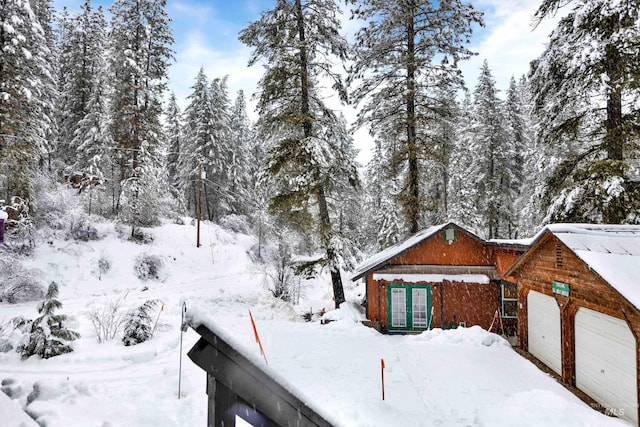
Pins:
x: 84, y: 96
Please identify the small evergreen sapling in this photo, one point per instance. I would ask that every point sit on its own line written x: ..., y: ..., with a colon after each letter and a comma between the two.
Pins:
x: 48, y: 336
x: 139, y: 324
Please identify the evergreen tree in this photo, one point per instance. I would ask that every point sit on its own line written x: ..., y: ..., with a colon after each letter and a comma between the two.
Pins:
x: 384, y: 227
x: 141, y: 38
x: 463, y: 207
x: 296, y: 40
x: 493, y: 153
x: 590, y: 63
x: 218, y: 154
x: 405, y: 50
x: 91, y: 141
x: 239, y: 173
x: 528, y: 161
x: 48, y: 336
x: 138, y: 326
x: 95, y: 147
x: 25, y: 70
x: 44, y: 13
x: 198, y: 137
x: 83, y: 71
x: 442, y: 134
x: 175, y: 140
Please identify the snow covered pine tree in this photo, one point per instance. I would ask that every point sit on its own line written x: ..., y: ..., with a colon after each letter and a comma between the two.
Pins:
x: 586, y: 90
x: 309, y: 158
x: 48, y: 336
x: 139, y: 324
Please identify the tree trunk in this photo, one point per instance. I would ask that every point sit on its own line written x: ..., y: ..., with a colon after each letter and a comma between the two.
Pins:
x: 304, y: 73
x: 325, y: 232
x: 614, y: 138
x: 325, y: 221
x: 412, y: 200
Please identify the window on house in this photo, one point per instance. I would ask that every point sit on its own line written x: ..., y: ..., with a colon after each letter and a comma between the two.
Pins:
x: 398, y: 308
x: 409, y: 306
x: 419, y: 298
x: 509, y: 300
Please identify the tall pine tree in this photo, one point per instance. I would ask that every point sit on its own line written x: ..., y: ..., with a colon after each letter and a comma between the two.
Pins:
x: 239, y: 171
x: 297, y: 39
x: 25, y: 74
x: 493, y: 159
x: 141, y: 40
x: 406, y: 50
x: 586, y: 90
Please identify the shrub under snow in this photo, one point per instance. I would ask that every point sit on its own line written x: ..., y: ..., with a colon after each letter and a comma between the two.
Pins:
x: 18, y: 284
x: 139, y: 324
x: 148, y: 267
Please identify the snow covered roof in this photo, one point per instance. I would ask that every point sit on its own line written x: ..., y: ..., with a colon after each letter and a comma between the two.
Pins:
x: 521, y: 244
x: 13, y: 415
x: 382, y: 257
x: 612, y: 251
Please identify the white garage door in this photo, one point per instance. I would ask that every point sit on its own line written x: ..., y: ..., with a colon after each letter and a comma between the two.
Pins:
x: 606, y: 362
x: 543, y: 321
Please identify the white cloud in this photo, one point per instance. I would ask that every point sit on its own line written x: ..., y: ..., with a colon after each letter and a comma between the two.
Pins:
x: 509, y: 42
x: 198, y: 52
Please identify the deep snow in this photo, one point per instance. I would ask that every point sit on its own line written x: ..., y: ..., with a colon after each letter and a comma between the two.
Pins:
x: 463, y: 377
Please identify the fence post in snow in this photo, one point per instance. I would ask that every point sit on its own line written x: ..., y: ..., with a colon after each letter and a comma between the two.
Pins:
x: 183, y: 328
x: 382, y: 372
x: 3, y: 217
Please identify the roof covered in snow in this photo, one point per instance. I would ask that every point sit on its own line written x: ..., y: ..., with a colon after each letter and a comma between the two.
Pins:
x: 13, y: 415
x: 612, y: 251
x: 386, y: 255
x: 383, y: 257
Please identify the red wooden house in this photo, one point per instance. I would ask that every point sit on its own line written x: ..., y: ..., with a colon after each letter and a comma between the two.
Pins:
x: 442, y: 277
x: 579, y: 309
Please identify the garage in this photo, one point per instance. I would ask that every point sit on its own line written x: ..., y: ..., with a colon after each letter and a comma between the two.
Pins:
x: 605, y: 356
x: 544, y: 330
x: 592, y: 272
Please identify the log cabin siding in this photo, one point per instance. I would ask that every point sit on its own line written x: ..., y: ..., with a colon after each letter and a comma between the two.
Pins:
x: 373, y: 303
x: 503, y: 259
x: 550, y: 260
x: 466, y: 250
x: 471, y: 303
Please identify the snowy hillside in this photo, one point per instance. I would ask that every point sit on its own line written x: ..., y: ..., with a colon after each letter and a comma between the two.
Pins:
x: 449, y: 378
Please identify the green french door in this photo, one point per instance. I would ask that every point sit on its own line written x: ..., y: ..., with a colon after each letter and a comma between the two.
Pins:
x: 409, y: 307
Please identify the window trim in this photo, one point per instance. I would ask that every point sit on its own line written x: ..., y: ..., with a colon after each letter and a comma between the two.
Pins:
x: 409, y: 306
x: 503, y: 300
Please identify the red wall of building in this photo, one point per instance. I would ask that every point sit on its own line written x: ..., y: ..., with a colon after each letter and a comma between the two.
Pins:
x: 472, y: 303
x: 435, y: 251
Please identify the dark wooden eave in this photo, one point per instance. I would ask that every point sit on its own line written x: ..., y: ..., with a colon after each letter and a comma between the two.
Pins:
x: 242, y: 384
x: 515, y: 247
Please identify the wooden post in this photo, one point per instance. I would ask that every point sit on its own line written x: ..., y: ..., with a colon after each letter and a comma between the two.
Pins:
x: 183, y: 328
x: 568, y: 312
x: 198, y: 205
x: 382, y: 374
x: 255, y: 333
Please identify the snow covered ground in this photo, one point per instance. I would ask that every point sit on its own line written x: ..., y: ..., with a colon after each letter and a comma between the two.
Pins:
x: 464, y: 377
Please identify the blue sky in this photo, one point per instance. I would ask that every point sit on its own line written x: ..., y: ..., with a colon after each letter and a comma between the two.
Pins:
x: 206, y: 34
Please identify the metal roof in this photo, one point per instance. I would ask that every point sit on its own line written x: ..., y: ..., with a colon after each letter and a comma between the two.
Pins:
x: 611, y: 251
